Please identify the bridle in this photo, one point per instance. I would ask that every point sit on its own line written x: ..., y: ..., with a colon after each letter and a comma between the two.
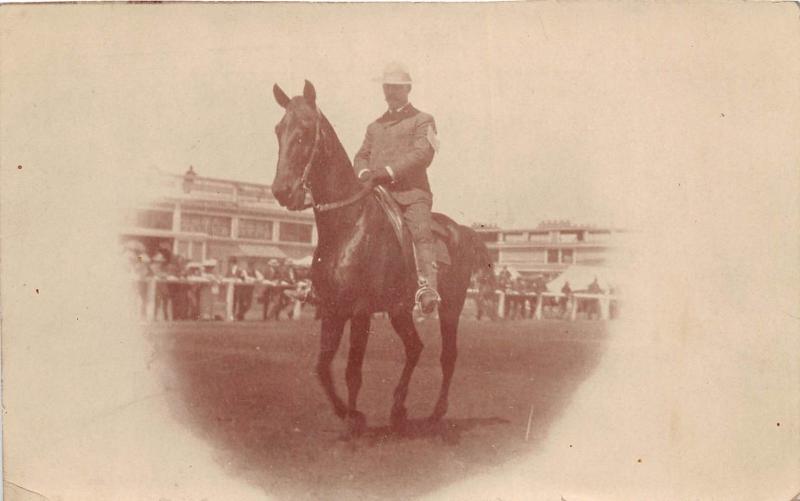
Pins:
x: 305, y: 185
x: 314, y: 149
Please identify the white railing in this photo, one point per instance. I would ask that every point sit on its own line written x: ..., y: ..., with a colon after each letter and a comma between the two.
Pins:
x: 603, y: 301
x: 219, y: 290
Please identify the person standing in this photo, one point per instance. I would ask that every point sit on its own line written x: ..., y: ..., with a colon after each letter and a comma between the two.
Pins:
x: 270, y: 279
x: 564, y: 301
x: 162, y: 288
x: 486, y: 298
x: 239, y: 275
x: 285, y: 278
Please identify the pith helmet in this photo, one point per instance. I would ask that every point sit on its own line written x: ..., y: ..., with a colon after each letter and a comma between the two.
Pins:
x: 396, y: 74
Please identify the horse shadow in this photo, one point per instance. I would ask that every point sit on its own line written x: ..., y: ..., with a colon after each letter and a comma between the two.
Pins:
x: 448, y: 430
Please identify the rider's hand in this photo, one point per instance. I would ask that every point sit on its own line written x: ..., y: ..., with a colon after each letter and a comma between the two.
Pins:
x: 372, y: 178
x: 365, y: 176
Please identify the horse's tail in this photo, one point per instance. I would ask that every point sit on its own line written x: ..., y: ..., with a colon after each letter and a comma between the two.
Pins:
x: 476, y: 250
x: 467, y: 244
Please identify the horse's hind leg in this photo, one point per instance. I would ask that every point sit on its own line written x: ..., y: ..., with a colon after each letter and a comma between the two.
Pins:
x: 403, y: 324
x: 359, y: 334
x: 448, y: 325
x: 331, y: 336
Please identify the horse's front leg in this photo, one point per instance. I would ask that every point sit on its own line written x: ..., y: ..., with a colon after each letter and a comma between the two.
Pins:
x: 359, y: 334
x: 331, y: 336
x: 403, y: 324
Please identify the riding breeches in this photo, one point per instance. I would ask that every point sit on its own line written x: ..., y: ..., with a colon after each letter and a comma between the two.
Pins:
x: 417, y: 217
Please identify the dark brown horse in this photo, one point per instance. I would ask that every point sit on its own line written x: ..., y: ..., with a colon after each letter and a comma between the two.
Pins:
x: 359, y: 267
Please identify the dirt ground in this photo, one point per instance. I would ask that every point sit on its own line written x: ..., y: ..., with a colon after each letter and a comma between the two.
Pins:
x: 249, y: 390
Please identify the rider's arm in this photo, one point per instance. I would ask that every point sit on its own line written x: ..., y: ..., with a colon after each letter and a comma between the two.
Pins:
x: 421, y: 153
x: 361, y: 161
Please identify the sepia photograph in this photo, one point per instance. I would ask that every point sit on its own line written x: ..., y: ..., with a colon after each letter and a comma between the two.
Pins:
x: 391, y: 251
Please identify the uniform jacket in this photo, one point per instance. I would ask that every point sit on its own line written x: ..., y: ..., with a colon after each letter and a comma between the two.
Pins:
x: 401, y: 141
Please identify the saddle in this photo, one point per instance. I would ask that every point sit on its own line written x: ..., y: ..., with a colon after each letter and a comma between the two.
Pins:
x: 395, y: 216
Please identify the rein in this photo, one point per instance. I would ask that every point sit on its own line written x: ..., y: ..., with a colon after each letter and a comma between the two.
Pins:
x: 306, y: 186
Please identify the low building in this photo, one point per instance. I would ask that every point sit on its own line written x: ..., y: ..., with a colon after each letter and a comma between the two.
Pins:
x: 551, y: 247
x: 202, y: 218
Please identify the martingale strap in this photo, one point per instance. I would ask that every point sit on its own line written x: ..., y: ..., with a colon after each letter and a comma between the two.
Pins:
x: 342, y: 203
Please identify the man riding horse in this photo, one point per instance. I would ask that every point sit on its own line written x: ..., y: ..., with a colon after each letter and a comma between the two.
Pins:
x: 397, y: 150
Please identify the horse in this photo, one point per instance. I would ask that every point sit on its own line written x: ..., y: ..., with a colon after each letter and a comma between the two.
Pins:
x: 359, y: 266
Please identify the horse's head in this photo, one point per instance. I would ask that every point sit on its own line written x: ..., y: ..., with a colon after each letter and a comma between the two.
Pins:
x: 298, y: 146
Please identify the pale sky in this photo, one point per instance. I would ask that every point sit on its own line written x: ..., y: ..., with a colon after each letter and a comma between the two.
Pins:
x: 544, y: 110
x: 583, y: 111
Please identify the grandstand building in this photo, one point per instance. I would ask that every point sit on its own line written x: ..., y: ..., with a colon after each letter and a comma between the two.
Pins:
x: 202, y: 218
x: 551, y: 247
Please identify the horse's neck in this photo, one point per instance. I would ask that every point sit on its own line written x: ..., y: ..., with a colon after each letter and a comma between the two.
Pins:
x: 334, y: 181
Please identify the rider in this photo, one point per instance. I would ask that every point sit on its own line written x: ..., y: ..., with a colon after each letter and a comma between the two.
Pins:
x: 398, y: 148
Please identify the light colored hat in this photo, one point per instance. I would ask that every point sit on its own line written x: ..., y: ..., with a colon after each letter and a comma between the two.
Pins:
x: 193, y: 265
x: 273, y: 262
x: 158, y: 258
x: 210, y: 262
x: 396, y: 74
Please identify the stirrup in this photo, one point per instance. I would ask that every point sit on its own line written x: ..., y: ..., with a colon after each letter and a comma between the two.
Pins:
x: 424, y: 288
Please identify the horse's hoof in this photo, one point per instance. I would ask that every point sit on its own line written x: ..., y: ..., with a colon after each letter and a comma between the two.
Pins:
x: 398, y: 420
x: 341, y: 412
x: 356, y: 423
x: 439, y: 411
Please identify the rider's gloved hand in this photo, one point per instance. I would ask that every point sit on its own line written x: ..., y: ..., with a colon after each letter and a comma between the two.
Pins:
x: 375, y: 177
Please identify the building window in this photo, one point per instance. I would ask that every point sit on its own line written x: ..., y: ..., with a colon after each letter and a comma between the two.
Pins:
x: 567, y: 256
x: 153, y: 219
x: 514, y: 237
x: 295, y: 232
x: 218, y: 226
x: 552, y: 255
x: 256, y: 229
x: 568, y: 237
x: 183, y: 248
x: 539, y: 237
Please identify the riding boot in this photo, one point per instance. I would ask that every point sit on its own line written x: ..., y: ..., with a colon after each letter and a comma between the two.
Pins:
x: 427, y: 296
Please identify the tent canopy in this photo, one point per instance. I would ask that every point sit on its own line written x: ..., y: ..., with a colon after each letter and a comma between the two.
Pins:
x: 579, y: 278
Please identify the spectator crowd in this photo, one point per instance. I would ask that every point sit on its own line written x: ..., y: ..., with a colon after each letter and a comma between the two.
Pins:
x: 520, y: 297
x: 191, y: 290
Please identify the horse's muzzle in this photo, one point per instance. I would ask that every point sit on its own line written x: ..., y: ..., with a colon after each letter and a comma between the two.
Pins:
x: 281, y: 193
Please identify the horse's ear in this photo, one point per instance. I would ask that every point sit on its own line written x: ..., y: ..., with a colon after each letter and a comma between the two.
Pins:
x: 310, y: 94
x: 280, y: 96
